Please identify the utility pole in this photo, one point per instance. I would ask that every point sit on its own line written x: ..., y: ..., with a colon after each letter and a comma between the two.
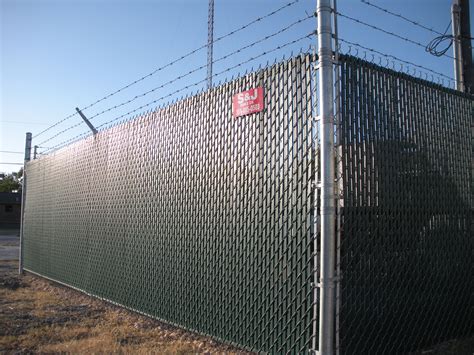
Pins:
x: 327, y: 280
x: 210, y: 42
x: 462, y: 52
x: 456, y: 32
x: 466, y: 47
x: 23, y: 198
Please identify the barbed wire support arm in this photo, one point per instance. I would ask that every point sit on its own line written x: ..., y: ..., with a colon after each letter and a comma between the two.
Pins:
x: 86, y: 121
x: 23, y: 200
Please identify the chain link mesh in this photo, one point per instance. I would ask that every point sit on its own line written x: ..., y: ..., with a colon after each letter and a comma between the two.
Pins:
x: 209, y: 222
x: 406, y: 253
x: 189, y: 215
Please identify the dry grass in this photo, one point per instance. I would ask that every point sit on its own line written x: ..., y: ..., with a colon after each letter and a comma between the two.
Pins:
x: 41, y: 317
x: 37, y: 316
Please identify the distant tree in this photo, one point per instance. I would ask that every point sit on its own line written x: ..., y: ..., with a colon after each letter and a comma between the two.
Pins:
x: 11, y: 182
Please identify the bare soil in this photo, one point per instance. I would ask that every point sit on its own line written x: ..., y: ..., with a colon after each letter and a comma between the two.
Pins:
x: 38, y: 316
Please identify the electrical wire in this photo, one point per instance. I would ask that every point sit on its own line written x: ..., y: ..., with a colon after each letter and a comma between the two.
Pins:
x: 243, y: 27
x: 409, y: 40
x: 432, y: 46
x: 396, y: 58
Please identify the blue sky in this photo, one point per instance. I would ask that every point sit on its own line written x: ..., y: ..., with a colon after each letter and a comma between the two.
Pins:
x: 59, y: 54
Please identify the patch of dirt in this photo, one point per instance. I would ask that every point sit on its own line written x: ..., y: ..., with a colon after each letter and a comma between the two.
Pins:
x: 38, y: 316
x: 11, y: 283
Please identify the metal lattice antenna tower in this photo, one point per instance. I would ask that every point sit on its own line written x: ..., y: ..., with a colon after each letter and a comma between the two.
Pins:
x: 210, y: 41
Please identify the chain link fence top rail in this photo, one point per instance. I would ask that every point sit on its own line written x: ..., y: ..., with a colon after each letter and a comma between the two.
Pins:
x: 406, y: 234
x: 189, y: 215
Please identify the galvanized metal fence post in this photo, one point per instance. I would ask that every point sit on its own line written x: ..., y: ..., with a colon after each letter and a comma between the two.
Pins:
x: 23, y: 199
x: 327, y: 166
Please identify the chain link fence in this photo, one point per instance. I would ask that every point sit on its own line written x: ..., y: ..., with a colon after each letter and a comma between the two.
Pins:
x: 406, y: 257
x: 189, y: 215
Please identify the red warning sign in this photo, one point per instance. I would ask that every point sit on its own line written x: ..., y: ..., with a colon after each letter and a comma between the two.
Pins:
x: 247, y: 102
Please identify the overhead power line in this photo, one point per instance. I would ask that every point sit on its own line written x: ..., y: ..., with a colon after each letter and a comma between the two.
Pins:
x: 261, y: 40
x: 409, y: 40
x: 10, y: 152
x: 243, y: 27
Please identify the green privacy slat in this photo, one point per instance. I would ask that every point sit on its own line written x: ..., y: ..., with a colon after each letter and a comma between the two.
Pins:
x: 406, y: 237
x: 190, y: 215
x: 202, y: 220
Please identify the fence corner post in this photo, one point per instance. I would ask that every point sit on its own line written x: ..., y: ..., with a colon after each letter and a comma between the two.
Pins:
x: 23, y: 199
x: 326, y: 282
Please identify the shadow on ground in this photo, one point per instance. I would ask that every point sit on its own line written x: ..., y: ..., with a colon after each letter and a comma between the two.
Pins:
x: 39, y: 316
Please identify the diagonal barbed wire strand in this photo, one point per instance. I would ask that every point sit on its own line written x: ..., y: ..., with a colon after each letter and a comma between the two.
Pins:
x: 61, y: 144
x: 181, y: 77
x: 169, y: 64
x: 409, y: 40
x: 413, y: 22
x: 395, y: 58
x: 204, y: 80
x: 205, y: 65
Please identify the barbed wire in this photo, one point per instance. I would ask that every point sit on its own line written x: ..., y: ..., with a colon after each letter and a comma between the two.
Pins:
x: 88, y: 132
x: 282, y: 30
x: 413, y: 22
x: 349, y: 43
x: 213, y: 75
x: 66, y: 142
x: 243, y: 27
x: 406, y: 39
